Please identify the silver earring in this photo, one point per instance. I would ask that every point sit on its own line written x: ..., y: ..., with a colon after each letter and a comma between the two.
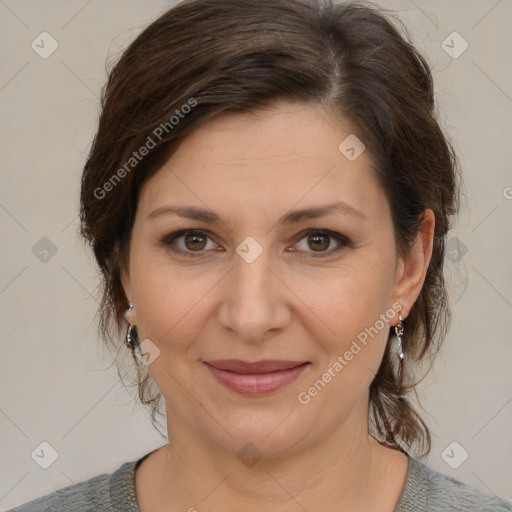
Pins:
x: 399, y: 331
x: 132, y: 337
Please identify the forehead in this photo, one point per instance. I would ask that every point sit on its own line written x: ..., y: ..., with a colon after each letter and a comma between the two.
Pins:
x: 276, y: 158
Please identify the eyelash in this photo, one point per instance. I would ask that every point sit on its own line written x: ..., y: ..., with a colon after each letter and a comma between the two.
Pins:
x: 168, y: 241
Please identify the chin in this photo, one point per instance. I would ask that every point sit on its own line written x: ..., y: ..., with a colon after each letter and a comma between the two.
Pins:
x: 266, y: 433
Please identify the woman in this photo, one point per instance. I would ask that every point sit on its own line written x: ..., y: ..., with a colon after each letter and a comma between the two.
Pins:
x: 268, y: 197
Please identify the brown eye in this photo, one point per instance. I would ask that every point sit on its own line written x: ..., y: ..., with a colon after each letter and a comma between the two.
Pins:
x: 188, y: 242
x: 315, y: 242
x: 195, y: 241
x: 319, y: 241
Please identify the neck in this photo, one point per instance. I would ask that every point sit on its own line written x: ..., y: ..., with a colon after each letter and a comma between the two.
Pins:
x: 343, y: 469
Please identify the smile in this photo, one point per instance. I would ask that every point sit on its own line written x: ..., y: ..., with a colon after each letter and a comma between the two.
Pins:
x: 255, y: 379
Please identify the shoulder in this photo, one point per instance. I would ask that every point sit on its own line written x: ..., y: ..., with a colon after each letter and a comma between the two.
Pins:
x: 427, y: 490
x: 102, y: 493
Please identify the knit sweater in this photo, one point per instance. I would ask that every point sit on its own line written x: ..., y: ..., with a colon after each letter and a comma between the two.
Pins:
x: 425, y: 490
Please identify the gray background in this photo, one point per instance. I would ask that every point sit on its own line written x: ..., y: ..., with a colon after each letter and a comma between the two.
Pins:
x: 57, y: 383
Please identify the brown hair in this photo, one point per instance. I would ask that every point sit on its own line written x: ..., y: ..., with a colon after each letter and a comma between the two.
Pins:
x: 240, y: 55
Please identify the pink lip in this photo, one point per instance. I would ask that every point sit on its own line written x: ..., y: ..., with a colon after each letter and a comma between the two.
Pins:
x: 255, y: 379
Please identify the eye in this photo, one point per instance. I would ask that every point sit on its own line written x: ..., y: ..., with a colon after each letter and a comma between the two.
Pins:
x: 320, y: 240
x: 193, y: 241
x: 190, y: 241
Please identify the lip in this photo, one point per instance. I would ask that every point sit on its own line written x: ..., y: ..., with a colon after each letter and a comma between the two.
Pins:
x: 264, y: 366
x: 258, y: 378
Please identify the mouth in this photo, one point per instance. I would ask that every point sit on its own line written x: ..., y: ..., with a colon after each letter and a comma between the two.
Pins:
x: 257, y: 378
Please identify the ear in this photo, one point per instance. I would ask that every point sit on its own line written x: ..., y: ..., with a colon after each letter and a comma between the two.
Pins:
x: 127, y: 287
x: 413, y: 269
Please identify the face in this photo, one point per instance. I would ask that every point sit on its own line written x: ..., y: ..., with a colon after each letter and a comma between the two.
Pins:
x: 254, y: 282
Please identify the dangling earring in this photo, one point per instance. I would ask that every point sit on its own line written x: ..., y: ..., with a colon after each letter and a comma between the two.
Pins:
x: 132, y: 337
x: 399, y: 331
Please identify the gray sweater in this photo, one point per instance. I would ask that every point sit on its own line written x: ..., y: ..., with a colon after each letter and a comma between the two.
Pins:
x: 425, y: 490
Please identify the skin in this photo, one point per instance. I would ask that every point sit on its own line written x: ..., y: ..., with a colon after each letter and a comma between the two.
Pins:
x: 287, y: 304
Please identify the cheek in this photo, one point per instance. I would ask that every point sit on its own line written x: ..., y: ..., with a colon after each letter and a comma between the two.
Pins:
x: 355, y: 307
x: 169, y: 305
x: 357, y: 315
x: 345, y: 301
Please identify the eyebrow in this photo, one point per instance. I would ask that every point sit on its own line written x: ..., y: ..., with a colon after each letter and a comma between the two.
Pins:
x: 293, y: 217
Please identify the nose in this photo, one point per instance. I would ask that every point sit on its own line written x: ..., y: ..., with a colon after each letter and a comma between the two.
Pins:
x: 254, y: 300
